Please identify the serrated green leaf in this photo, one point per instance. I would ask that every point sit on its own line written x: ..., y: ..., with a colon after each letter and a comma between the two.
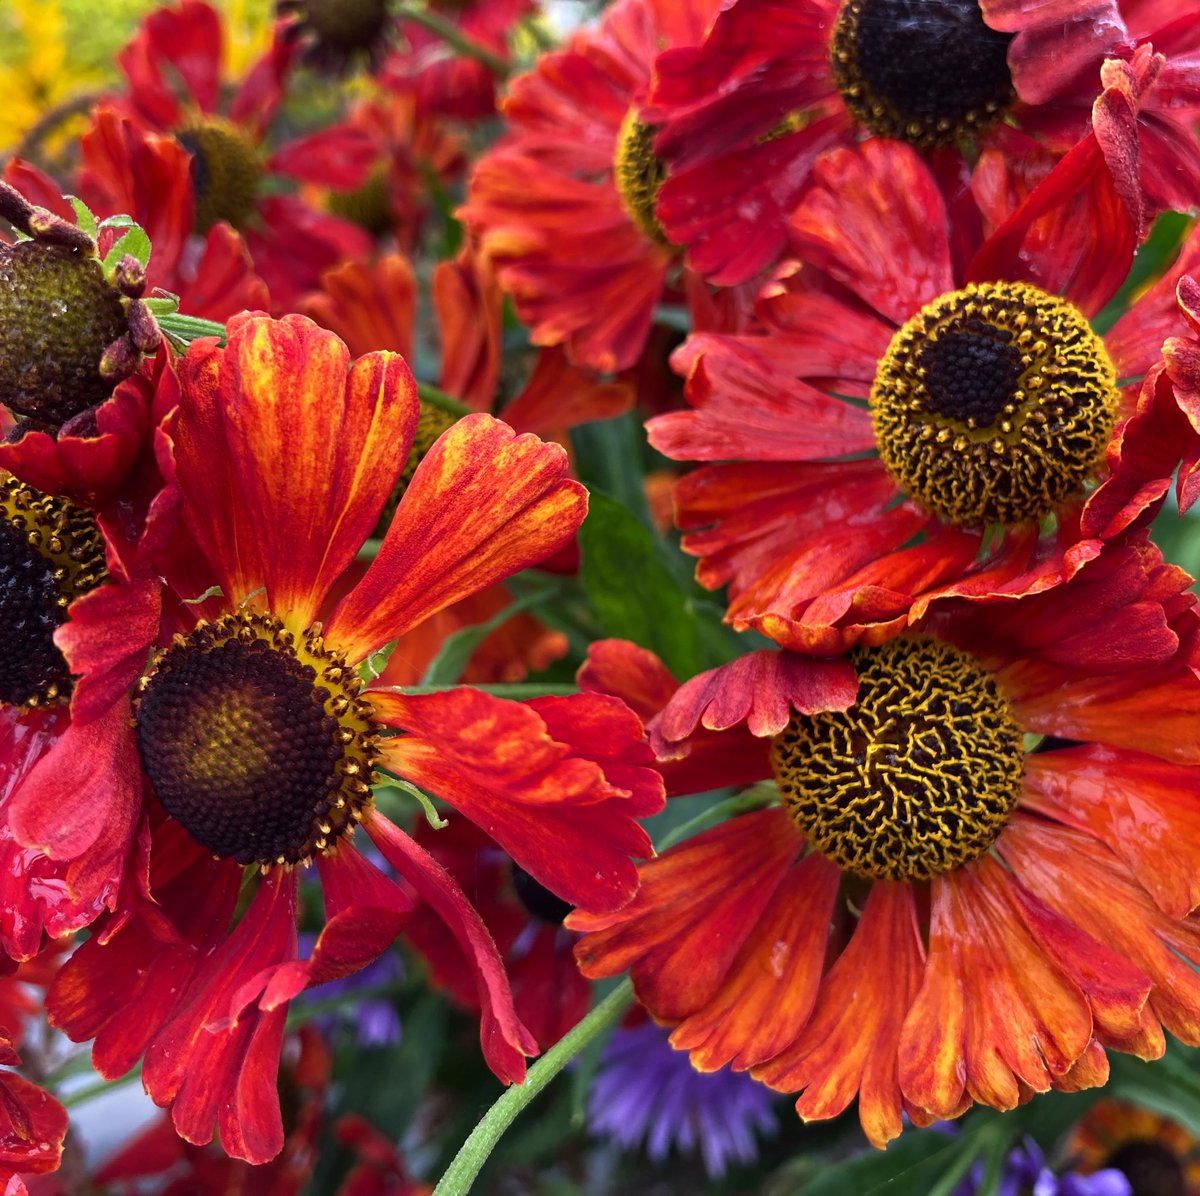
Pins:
x: 84, y: 217
x: 134, y: 242
x: 120, y: 220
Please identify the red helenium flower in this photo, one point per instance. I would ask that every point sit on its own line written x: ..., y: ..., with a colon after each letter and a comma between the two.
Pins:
x: 744, y: 115
x: 173, y: 65
x: 991, y: 404
x: 258, y: 744
x: 411, y: 148
x: 213, y: 277
x: 52, y: 560
x: 935, y: 915
x: 563, y: 205
x: 373, y: 306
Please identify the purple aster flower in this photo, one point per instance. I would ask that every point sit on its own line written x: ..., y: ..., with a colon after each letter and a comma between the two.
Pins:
x: 1025, y: 1171
x: 374, y: 1019
x: 645, y: 1091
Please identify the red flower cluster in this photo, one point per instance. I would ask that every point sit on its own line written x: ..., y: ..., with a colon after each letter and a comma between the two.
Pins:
x: 936, y: 387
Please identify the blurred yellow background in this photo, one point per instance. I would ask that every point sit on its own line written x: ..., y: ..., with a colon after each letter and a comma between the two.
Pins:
x: 57, y: 55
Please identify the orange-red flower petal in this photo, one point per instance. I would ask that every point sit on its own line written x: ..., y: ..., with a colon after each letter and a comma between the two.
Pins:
x: 558, y: 783
x: 483, y: 504
x: 695, y: 909
x: 286, y: 457
x: 849, y: 1045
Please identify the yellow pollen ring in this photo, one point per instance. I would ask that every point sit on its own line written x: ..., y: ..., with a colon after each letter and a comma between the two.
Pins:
x: 68, y: 543
x: 918, y: 777
x: 639, y: 175
x: 994, y: 404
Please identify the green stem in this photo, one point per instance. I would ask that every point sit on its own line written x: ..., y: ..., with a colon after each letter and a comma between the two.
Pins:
x: 190, y: 328
x: 50, y: 120
x: 453, y: 37
x: 461, y: 1173
x: 743, y: 803
x: 81, y: 1095
x: 439, y: 398
x: 516, y: 690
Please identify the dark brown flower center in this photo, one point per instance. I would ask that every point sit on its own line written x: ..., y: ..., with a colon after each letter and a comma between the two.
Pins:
x: 918, y: 777
x: 256, y: 740
x: 58, y: 314
x: 1152, y: 1169
x: 994, y: 404
x: 929, y: 72
x: 226, y: 172
x: 639, y: 175
x: 347, y: 25
x: 369, y: 206
x: 50, y: 553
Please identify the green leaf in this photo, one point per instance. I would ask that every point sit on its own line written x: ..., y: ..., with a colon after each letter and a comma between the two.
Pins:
x: 372, y: 668
x: 84, y: 217
x: 190, y: 328
x: 1178, y: 537
x: 1167, y: 1086
x: 118, y: 221
x: 635, y: 595
x: 919, y: 1163
x: 162, y: 305
x: 448, y: 666
x: 514, y: 691
x: 134, y: 242
x: 609, y: 457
